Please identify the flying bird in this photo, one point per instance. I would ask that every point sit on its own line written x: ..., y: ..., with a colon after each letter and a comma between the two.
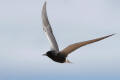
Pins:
x: 54, y: 53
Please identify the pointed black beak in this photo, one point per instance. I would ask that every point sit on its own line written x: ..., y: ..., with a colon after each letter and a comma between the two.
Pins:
x: 44, y: 55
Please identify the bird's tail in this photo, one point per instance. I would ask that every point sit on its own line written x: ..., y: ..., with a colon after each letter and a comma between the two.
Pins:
x: 67, y: 61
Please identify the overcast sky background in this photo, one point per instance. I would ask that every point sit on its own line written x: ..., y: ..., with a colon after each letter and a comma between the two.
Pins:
x: 22, y: 40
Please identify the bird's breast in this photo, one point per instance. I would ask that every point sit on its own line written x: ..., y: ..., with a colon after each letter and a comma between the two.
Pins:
x: 58, y: 58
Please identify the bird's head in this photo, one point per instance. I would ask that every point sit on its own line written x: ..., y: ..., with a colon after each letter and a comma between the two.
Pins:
x: 49, y: 53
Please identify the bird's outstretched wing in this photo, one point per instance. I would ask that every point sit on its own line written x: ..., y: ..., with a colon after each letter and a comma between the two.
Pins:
x: 75, y: 46
x: 48, y: 30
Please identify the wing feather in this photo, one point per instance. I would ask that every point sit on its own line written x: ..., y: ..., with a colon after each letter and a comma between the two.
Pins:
x: 48, y: 30
x: 75, y: 46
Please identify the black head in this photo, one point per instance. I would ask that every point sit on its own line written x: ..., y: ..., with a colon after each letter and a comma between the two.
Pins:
x: 49, y: 53
x: 56, y: 56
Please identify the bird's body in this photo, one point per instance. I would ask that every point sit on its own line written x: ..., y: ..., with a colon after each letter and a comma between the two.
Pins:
x: 54, y: 53
x: 57, y: 57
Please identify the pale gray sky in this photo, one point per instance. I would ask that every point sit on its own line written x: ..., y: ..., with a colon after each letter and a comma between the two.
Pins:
x: 22, y: 40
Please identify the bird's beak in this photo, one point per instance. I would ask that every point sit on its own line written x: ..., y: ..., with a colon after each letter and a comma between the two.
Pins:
x: 44, y: 55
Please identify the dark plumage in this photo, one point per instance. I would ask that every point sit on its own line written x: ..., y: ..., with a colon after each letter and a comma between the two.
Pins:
x: 56, y: 56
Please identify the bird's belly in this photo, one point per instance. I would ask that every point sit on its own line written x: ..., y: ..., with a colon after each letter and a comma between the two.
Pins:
x: 58, y: 59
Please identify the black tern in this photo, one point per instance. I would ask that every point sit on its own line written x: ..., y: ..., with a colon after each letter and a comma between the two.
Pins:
x: 54, y: 53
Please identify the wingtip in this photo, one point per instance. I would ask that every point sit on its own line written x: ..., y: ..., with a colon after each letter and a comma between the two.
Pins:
x: 45, y: 3
x: 108, y: 36
x: 112, y: 34
x: 44, y: 7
